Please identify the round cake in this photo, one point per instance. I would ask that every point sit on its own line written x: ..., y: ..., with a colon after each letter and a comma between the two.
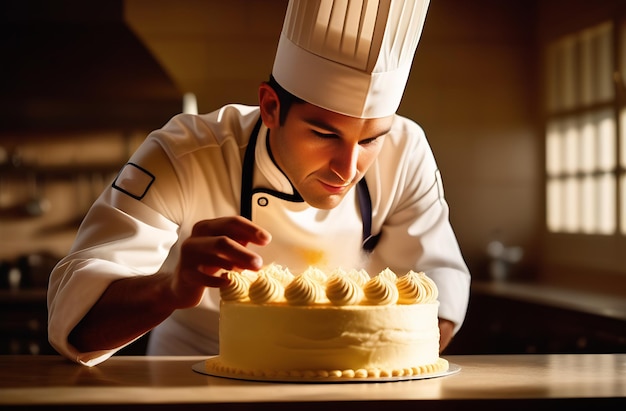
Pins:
x: 343, y: 324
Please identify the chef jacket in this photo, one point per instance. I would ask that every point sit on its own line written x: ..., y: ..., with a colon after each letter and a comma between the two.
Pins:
x: 206, y: 166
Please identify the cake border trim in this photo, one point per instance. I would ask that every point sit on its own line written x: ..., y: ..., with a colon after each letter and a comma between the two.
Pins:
x: 212, y: 366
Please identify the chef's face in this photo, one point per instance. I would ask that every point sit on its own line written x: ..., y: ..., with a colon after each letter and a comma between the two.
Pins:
x: 324, y: 154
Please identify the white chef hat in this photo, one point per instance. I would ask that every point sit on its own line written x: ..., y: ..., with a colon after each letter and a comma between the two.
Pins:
x: 349, y: 56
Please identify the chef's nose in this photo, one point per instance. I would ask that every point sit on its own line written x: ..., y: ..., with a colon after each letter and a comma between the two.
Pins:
x: 344, y: 163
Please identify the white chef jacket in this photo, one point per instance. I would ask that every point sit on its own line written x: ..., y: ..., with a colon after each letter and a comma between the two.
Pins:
x: 191, y: 169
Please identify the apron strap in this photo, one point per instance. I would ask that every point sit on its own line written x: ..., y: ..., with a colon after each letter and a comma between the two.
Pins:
x: 245, y: 203
x: 365, y: 205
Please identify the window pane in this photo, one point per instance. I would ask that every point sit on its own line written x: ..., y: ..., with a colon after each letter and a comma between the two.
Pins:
x: 588, y: 152
x: 622, y: 51
x: 606, y: 186
x: 605, y: 124
x: 623, y: 203
x: 603, y: 55
x: 570, y: 147
x: 588, y: 210
x: 552, y: 77
x: 587, y: 60
x: 554, y: 205
x: 567, y: 70
x: 623, y: 138
x: 571, y: 205
x: 554, y: 152
x: 596, y: 64
x: 588, y: 205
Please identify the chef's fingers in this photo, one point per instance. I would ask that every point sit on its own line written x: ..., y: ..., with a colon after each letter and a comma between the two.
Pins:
x: 206, y: 276
x: 237, y: 228
x: 214, y: 254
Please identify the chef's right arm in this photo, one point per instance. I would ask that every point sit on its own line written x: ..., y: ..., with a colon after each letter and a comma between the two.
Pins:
x: 109, y: 290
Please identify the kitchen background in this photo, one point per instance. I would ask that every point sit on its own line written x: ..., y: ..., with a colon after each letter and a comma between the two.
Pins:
x: 84, y: 82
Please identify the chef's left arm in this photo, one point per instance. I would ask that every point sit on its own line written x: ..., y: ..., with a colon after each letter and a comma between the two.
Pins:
x: 413, y: 216
x: 446, y: 332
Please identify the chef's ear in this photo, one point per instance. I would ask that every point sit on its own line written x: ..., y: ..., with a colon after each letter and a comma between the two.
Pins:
x: 269, y: 105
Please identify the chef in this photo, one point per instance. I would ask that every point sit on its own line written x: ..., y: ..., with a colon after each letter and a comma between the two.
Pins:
x: 322, y: 172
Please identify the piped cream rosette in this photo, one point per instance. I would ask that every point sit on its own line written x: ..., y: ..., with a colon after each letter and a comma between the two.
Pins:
x: 276, y: 284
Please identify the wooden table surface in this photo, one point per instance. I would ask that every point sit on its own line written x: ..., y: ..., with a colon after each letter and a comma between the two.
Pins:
x: 527, y: 382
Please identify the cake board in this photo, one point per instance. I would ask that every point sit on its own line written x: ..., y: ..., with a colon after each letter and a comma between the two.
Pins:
x: 201, y: 368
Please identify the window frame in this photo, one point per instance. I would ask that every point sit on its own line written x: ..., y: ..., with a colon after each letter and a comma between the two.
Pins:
x: 578, y: 250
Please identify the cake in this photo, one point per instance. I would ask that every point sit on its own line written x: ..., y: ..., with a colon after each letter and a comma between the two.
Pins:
x: 336, y: 325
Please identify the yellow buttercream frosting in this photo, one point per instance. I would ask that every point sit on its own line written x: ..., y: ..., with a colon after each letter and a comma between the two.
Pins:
x: 340, y: 324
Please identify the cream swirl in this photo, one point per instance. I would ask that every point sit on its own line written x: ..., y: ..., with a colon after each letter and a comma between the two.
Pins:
x: 416, y: 288
x: 278, y: 272
x: 237, y: 288
x: 411, y: 290
x: 343, y: 290
x: 316, y: 275
x: 265, y: 289
x: 361, y: 277
x: 380, y: 291
x: 431, y: 288
x: 388, y: 275
x: 304, y: 290
x: 337, y: 271
x: 250, y: 275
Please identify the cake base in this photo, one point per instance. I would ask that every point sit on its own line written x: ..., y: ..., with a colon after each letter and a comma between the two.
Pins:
x: 213, y: 367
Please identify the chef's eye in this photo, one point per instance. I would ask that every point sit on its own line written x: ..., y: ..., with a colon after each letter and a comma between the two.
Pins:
x: 321, y: 134
x: 369, y: 141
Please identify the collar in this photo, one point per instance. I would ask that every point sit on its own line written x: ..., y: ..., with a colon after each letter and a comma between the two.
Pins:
x: 270, y: 174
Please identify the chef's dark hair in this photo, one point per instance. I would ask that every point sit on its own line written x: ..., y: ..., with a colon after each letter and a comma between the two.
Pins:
x: 286, y: 99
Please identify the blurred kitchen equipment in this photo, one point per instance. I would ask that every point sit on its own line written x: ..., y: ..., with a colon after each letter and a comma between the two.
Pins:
x: 17, y: 179
x: 501, y: 259
x: 35, y: 269
x: 37, y: 204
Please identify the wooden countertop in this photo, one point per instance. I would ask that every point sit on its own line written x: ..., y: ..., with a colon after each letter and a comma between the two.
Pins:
x: 514, y: 381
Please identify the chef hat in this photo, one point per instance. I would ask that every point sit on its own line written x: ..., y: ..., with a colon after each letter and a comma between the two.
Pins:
x: 349, y: 56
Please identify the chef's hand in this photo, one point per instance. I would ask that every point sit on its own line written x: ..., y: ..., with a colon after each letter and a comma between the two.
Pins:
x: 446, y: 331
x: 216, y: 245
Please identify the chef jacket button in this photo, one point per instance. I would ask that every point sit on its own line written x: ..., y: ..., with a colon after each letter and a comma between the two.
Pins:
x: 262, y: 201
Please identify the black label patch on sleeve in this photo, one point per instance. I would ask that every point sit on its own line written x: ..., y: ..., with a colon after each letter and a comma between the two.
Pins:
x: 134, y: 181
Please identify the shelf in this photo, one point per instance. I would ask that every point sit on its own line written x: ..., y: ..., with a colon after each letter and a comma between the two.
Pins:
x: 58, y: 172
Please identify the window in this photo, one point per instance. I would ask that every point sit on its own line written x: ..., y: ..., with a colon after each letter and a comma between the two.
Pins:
x: 585, y: 179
